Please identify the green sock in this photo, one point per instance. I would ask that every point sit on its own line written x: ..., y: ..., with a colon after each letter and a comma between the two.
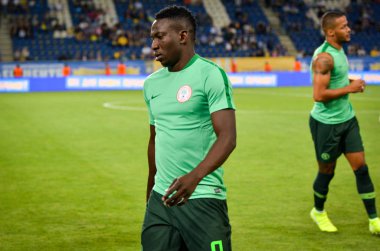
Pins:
x: 321, y: 188
x: 366, y: 190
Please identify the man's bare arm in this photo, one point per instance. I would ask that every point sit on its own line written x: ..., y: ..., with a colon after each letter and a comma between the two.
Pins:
x: 151, y: 161
x: 225, y: 129
x: 322, y: 66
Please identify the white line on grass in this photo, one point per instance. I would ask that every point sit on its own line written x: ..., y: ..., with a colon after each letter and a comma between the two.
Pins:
x: 310, y: 96
x: 365, y: 98
x: 300, y: 95
x: 118, y: 105
x: 296, y: 112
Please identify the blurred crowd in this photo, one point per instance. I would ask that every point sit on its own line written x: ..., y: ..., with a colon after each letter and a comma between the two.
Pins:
x: 132, y: 30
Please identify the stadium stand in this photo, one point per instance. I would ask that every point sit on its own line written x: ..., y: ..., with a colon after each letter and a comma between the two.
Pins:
x: 253, y: 32
x: 119, y: 29
x: 365, y: 21
x: 301, y: 29
x: 300, y: 19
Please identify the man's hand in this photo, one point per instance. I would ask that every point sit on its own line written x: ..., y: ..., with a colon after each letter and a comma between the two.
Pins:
x: 183, y: 187
x: 357, y: 85
x: 225, y: 129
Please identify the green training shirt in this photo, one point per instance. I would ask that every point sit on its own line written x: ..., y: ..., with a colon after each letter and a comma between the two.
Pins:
x: 337, y: 110
x: 180, y: 106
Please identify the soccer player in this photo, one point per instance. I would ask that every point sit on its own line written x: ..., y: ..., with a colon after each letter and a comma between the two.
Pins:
x: 192, y: 133
x: 333, y: 124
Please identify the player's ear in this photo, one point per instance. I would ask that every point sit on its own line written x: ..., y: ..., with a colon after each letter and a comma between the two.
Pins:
x: 330, y: 32
x: 183, y: 36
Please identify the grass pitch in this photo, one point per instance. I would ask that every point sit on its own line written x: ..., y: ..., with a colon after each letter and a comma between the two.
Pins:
x: 73, y: 172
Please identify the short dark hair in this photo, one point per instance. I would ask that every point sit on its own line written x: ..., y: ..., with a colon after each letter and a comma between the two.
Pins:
x: 178, y: 13
x: 328, y: 19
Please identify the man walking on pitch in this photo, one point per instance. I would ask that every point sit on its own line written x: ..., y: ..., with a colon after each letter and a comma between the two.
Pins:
x: 333, y: 125
x: 192, y: 133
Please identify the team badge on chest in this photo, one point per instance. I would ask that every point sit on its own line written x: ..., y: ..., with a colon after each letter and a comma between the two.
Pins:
x: 184, y: 94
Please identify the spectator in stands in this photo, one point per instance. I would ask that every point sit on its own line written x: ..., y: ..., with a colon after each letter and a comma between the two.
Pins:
x: 59, y: 31
x: 117, y: 55
x: 90, y: 25
x: 300, y: 54
x: 17, y: 71
x: 25, y: 54
x: 43, y: 26
x: 352, y: 50
x: 375, y: 52
x: 56, y: 6
x: 17, y: 55
x: 4, y: 5
x: 20, y: 27
x: 260, y: 52
x: 361, y: 51
x: 84, y: 56
x: 122, y: 40
x: 17, y: 7
x: 31, y: 4
x: 64, y: 56
x: 3, y: 9
x: 146, y: 52
x: 99, y: 56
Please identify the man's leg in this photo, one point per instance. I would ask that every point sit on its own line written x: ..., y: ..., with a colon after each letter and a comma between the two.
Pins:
x: 365, y: 188
x: 321, y: 188
x: 354, y: 152
x: 327, y: 149
x: 204, y: 225
x: 321, y: 183
x: 159, y: 233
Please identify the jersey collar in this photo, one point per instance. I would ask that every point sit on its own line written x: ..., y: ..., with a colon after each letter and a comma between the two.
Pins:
x: 191, y: 61
x: 188, y: 64
x: 332, y: 46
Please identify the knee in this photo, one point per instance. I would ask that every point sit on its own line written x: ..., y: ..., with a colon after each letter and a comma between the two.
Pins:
x: 327, y: 168
x: 362, y: 170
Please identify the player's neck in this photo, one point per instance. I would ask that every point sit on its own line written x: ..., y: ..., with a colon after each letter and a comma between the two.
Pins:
x: 186, y: 57
x: 334, y: 43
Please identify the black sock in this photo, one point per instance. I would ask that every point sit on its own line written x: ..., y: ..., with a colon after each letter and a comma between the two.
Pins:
x: 321, y: 188
x: 366, y: 190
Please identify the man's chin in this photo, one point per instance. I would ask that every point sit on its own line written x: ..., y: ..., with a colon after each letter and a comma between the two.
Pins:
x: 164, y: 64
x: 346, y: 40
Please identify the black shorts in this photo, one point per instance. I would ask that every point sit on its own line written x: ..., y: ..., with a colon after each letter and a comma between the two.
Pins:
x: 330, y: 141
x: 199, y: 225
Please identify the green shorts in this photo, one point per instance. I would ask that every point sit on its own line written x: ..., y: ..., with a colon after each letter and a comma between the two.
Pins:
x: 330, y: 141
x: 199, y: 225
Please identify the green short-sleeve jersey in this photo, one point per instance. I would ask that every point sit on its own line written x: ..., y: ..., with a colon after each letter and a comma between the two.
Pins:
x: 337, y: 110
x: 180, y: 106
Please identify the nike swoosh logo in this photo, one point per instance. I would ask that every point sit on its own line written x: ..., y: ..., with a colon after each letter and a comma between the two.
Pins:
x: 155, y: 96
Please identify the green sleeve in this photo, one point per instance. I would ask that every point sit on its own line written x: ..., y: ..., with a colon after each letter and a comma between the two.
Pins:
x: 147, y: 102
x: 218, y: 90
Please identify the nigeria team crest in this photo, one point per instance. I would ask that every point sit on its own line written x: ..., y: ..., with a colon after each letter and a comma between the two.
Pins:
x: 184, y: 93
